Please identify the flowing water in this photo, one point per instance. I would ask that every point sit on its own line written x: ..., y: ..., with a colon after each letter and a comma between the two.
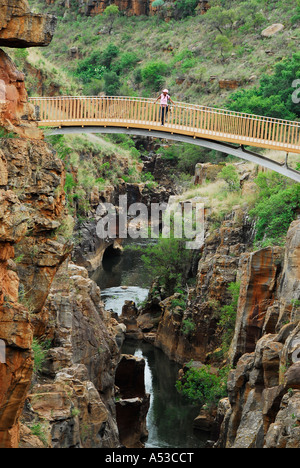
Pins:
x: 170, y: 417
x: 123, y: 278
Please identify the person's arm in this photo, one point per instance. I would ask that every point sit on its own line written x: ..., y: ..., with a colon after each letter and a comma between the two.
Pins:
x: 171, y: 101
x: 157, y: 98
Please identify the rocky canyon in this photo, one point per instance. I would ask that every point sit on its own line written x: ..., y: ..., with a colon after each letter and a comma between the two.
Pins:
x: 64, y: 380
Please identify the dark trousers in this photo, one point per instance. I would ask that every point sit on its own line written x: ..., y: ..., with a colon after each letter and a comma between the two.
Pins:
x: 164, y: 113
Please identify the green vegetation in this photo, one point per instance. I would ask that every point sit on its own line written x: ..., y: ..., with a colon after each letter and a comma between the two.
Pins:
x: 227, y: 316
x: 188, y: 326
x: 189, y: 54
x: 185, y: 156
x: 92, y: 164
x: 273, y: 97
x: 39, y: 430
x: 201, y: 386
x: 276, y: 207
x: 230, y: 175
x: 170, y: 262
x: 111, y: 13
x: 5, y: 134
x: 40, y: 350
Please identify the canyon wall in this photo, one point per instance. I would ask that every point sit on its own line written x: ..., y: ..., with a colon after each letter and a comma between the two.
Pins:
x: 264, y: 408
x: 47, y: 305
x: 128, y: 7
x: 31, y: 193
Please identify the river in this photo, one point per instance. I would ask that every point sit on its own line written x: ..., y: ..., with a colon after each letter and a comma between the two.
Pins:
x: 170, y: 417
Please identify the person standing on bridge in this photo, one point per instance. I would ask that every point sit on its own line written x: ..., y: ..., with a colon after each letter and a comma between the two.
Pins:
x: 164, y: 104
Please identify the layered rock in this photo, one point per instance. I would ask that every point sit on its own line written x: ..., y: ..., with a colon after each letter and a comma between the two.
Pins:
x: 21, y: 28
x: 17, y: 116
x: 259, y: 273
x: 129, y: 7
x: 32, y: 210
x: 77, y: 400
x: 132, y: 402
x: 91, y: 248
x: 264, y: 386
x: 192, y: 332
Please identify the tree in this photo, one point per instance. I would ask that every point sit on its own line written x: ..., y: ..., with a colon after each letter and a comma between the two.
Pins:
x: 276, y: 208
x: 230, y: 175
x: 170, y: 261
x: 276, y: 96
x: 153, y: 74
x: 111, y: 13
x: 111, y: 83
x: 221, y: 18
x: 201, y: 386
x: 224, y: 45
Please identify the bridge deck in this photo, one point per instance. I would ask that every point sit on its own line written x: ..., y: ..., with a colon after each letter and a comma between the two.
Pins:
x: 185, y: 119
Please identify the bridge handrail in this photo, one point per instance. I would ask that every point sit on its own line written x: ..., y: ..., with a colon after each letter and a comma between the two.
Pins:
x: 211, y: 110
x: 195, y: 120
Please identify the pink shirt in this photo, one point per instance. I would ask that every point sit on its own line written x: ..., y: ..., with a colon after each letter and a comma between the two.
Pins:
x: 164, y: 99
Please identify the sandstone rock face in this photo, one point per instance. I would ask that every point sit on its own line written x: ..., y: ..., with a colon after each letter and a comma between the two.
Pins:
x: 259, y: 275
x: 21, y: 28
x: 31, y: 210
x: 96, y: 7
x: 77, y: 402
x: 217, y: 268
x: 28, y: 209
x: 264, y: 386
x: 206, y: 171
x: 133, y: 402
x: 129, y: 7
x: 16, y: 114
x: 91, y: 249
x: 29, y: 204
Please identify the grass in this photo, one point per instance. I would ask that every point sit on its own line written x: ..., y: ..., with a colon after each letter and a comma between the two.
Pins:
x: 39, y: 352
x: 217, y: 197
x: 186, y: 47
x: 93, y: 163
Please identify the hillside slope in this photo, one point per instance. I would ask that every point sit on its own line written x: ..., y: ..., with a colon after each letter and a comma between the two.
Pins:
x: 200, y: 58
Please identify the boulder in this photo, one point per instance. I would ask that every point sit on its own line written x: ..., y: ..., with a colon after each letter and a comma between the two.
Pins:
x: 272, y: 30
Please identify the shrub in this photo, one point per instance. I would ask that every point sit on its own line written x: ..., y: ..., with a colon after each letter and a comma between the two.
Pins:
x: 126, y: 62
x: 185, y: 8
x: 230, y: 175
x: 276, y: 207
x: 188, y: 326
x: 39, y: 430
x: 202, y: 387
x: 153, y: 75
x: 96, y: 64
x: 39, y: 354
x: 112, y: 83
x: 90, y: 68
x: 170, y: 261
x: 227, y: 317
x: 273, y: 97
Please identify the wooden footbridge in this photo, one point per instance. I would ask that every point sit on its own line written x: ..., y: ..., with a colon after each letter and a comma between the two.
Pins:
x: 226, y: 131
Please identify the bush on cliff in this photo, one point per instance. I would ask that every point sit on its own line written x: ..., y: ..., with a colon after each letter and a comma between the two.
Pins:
x: 227, y: 316
x: 276, y: 207
x: 203, y: 387
x: 170, y: 261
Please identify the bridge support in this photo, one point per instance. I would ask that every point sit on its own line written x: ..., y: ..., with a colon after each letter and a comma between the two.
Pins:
x: 239, y: 152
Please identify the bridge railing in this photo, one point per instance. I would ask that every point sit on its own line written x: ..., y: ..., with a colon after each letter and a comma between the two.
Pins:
x: 143, y: 112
